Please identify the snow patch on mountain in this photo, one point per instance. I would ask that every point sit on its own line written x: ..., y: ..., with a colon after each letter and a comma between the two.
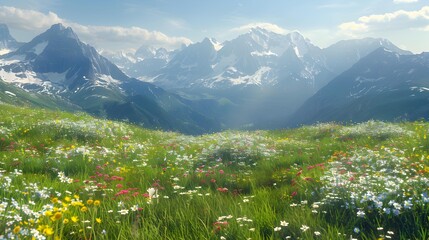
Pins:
x: 26, y: 77
x: 263, y: 54
x: 258, y: 78
x: 106, y: 80
x: 4, y: 51
x: 419, y: 89
x: 58, y: 78
x: 10, y: 93
x: 40, y: 47
x: 216, y: 45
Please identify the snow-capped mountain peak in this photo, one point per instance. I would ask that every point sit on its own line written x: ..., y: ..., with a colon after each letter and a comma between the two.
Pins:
x: 57, y: 60
x: 217, y: 45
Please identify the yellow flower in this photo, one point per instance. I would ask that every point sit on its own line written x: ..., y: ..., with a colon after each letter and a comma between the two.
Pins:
x: 48, y: 213
x: 16, y: 229
x: 66, y: 220
x: 48, y: 231
x: 74, y: 219
x: 58, y: 215
x: 54, y: 200
x: 89, y: 202
x: 57, y: 238
x: 97, y: 202
x: 67, y: 199
x: 84, y: 209
x: 98, y: 220
x: 76, y: 203
x: 40, y: 228
x: 76, y: 196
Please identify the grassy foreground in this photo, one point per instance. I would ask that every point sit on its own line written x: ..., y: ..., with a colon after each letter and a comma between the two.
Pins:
x: 66, y: 176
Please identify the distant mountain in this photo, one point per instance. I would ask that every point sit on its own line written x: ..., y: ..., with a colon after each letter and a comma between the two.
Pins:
x: 123, y: 60
x: 7, y: 42
x: 255, y: 58
x: 259, y: 78
x: 248, y: 81
x: 343, y: 54
x: 383, y: 85
x: 143, y: 64
x: 57, y: 63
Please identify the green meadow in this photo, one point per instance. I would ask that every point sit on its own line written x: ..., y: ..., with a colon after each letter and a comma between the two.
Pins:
x: 71, y: 176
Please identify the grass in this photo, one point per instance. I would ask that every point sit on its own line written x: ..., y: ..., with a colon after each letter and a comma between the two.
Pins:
x: 70, y: 176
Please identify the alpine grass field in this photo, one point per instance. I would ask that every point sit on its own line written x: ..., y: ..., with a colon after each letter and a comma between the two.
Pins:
x: 66, y: 176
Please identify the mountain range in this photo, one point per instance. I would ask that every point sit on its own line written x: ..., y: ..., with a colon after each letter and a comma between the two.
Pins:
x: 383, y: 85
x: 260, y: 79
x: 58, y: 64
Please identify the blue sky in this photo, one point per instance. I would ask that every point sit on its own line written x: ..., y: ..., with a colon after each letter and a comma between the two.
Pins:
x: 128, y: 24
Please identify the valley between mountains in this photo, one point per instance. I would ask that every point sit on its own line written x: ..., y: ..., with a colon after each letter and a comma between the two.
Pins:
x: 259, y: 80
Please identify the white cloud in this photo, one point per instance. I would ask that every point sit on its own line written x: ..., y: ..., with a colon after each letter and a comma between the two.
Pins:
x: 398, y: 20
x: 27, y: 19
x: 268, y: 26
x: 108, y: 37
x: 405, y: 1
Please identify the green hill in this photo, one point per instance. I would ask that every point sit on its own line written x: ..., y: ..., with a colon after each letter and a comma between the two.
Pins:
x: 71, y: 176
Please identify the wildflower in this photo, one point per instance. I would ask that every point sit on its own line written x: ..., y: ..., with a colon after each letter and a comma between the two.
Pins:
x: 361, y: 214
x: 48, y: 231
x: 16, y: 229
x: 356, y: 230
x: 153, y: 193
x: 390, y: 232
x: 407, y: 204
x: 74, y: 219
x: 304, y: 228
x: 84, y: 209
x: 89, y: 201
x: 123, y: 211
x: 284, y: 223
x: 317, y: 233
x: 66, y: 220
x: 276, y: 229
x: 48, y: 213
x: 97, y: 202
x: 57, y: 215
x: 98, y: 220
